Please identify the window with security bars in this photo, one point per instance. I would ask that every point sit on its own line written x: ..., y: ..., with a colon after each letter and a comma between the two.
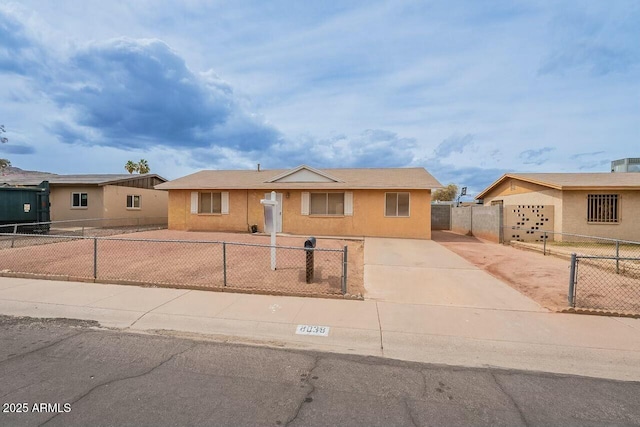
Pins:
x: 602, y: 208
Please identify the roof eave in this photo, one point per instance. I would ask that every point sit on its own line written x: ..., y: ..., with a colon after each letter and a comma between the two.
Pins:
x: 115, y: 181
x: 601, y: 188
x: 504, y: 177
x: 298, y: 187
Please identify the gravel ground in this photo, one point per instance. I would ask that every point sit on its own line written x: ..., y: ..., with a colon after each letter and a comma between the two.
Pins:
x: 194, y: 264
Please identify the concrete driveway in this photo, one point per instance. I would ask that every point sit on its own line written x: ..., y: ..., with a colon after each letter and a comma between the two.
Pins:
x: 424, y: 272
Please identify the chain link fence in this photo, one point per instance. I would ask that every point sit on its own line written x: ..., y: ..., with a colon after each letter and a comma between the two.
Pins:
x: 604, y: 273
x: 91, y: 227
x: 605, y: 282
x: 200, y: 264
x: 565, y: 244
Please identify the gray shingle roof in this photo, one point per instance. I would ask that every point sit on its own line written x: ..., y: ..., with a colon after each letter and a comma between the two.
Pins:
x: 87, y: 179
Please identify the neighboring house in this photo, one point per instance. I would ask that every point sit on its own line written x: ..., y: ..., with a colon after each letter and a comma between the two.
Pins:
x: 328, y: 202
x: 77, y: 197
x: 596, y: 204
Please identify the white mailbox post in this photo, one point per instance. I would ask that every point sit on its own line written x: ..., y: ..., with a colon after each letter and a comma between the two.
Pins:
x: 270, y: 213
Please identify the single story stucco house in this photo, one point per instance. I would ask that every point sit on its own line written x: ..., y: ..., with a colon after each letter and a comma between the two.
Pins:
x: 389, y: 202
x: 106, y: 196
x: 595, y: 204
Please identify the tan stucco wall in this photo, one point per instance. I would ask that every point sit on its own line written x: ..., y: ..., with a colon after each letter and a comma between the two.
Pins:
x: 368, y: 218
x: 109, y: 201
x: 575, y: 215
x: 570, y: 208
x: 180, y: 217
x: 60, y: 199
x: 153, y: 203
x: 528, y: 194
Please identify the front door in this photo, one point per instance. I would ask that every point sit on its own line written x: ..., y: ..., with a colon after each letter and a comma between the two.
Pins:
x: 278, y: 212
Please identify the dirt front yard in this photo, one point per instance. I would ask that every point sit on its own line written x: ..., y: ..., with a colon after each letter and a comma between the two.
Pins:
x: 191, y: 259
x: 545, y: 279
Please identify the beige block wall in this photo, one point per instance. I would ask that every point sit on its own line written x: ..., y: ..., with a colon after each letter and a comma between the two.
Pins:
x: 153, y: 203
x: 60, y: 199
x: 575, y: 215
x: 368, y: 218
x: 528, y: 194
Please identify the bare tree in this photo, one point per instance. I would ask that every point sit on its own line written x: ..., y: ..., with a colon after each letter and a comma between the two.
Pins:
x: 445, y: 194
x: 4, y: 163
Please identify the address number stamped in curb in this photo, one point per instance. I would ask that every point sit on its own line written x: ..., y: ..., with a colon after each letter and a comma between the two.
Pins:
x: 321, y: 331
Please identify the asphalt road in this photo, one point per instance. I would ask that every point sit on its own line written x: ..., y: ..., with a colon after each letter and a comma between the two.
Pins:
x: 70, y: 373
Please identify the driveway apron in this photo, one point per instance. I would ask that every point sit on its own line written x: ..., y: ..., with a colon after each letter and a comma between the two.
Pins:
x: 424, y: 272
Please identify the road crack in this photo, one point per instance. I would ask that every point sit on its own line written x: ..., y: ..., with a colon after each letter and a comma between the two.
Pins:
x: 35, y: 350
x: 115, y: 380
x: 411, y: 417
x: 307, y: 397
x: 513, y: 402
x: 425, y: 391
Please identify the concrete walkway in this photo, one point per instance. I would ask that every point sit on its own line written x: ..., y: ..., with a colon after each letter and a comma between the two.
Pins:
x: 425, y: 272
x: 424, y: 304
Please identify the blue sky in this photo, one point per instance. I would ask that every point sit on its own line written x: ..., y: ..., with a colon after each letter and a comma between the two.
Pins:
x: 467, y: 89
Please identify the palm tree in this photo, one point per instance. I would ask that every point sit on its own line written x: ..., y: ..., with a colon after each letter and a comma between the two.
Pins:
x: 131, y: 167
x: 4, y: 163
x: 143, y: 166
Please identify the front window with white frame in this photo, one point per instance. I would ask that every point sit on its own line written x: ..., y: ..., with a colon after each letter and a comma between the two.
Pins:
x: 396, y: 204
x: 210, y: 203
x: 79, y: 200
x: 133, y: 201
x: 327, y: 204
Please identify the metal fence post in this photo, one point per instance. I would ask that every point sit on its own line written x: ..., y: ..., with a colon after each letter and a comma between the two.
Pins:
x: 572, y: 281
x: 344, y: 271
x: 15, y: 231
x: 224, y: 263
x: 95, y: 258
x: 617, y: 256
x: 544, y: 243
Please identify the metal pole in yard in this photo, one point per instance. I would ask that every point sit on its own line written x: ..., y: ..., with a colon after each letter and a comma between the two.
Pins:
x: 617, y: 256
x: 224, y: 263
x: 95, y: 258
x: 572, y: 281
x: 344, y: 271
x: 273, y: 230
x: 544, y: 243
x: 270, y: 212
x: 15, y: 231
